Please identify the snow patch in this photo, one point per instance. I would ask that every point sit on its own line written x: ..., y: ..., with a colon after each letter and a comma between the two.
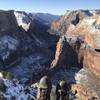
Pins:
x: 22, y: 20
x: 18, y: 91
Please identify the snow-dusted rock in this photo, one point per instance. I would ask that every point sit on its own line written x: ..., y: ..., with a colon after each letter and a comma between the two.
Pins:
x: 22, y: 19
x: 7, y: 45
x: 18, y: 91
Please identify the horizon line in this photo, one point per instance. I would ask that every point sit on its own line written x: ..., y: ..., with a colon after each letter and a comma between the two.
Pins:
x: 48, y: 12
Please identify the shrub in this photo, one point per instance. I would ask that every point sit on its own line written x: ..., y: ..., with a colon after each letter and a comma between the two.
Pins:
x: 7, y: 75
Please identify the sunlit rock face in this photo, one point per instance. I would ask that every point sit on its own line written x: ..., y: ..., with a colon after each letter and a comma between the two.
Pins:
x: 92, y: 60
x: 70, y: 18
x: 85, y: 29
x: 88, y: 28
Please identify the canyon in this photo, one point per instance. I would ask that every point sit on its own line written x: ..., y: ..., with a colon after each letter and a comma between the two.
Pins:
x: 65, y: 47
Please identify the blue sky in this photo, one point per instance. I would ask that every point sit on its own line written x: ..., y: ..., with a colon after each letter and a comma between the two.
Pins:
x: 49, y: 6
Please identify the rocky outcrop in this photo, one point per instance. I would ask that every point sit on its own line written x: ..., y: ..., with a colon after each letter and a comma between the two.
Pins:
x: 82, y: 49
x: 61, y: 26
x: 68, y: 53
x: 88, y: 28
x: 44, y: 89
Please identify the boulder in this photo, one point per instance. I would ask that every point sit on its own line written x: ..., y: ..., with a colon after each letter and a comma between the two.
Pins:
x: 44, y: 88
